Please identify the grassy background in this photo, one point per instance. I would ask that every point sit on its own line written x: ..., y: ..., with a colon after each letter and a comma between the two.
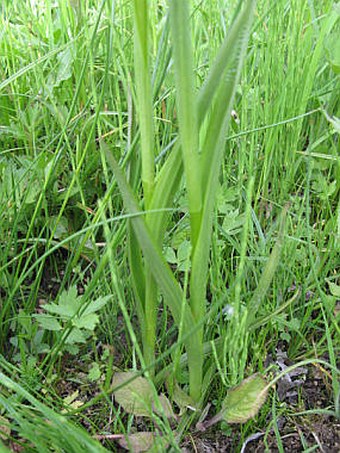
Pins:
x: 66, y: 82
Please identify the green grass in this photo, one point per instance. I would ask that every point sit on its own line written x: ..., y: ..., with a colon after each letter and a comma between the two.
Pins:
x: 74, y: 74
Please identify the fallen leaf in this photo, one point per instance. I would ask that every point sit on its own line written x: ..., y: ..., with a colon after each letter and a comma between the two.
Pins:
x: 136, y: 397
x: 137, y: 442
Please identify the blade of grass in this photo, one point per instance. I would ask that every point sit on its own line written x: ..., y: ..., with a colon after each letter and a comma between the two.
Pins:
x: 187, y: 109
x: 54, y: 429
x: 268, y: 272
x: 145, y: 117
x: 221, y: 64
x: 144, y: 96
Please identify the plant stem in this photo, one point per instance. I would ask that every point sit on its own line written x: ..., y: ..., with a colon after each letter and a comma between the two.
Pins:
x: 145, y: 117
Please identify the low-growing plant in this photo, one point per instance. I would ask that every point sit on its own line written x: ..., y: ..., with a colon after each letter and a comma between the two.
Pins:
x: 203, y: 118
x: 71, y: 319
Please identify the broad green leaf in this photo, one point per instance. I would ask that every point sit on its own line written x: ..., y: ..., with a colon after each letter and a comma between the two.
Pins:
x: 136, y: 397
x: 183, y: 251
x: 48, y: 322
x: 244, y: 401
x: 170, y: 255
x: 64, y: 69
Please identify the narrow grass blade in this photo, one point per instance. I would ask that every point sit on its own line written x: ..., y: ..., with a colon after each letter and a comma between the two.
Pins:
x: 42, y: 426
x: 32, y: 65
x: 145, y: 117
x: 136, y: 269
x: 268, y: 271
x: 144, y: 96
x: 166, y: 188
x: 187, y: 108
x: 224, y: 59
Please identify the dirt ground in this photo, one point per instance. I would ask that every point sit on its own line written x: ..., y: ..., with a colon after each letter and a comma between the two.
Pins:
x: 298, y: 433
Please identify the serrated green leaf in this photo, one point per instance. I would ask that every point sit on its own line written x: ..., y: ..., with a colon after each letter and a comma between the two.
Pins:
x: 294, y: 324
x: 70, y: 297
x: 136, y: 397
x: 244, y: 401
x: 64, y: 311
x: 334, y: 289
x: 94, y: 373
x: 96, y: 305
x: 72, y: 349
x: 75, y: 336
x: 68, y: 304
x: 48, y: 322
x: 88, y: 322
x: 25, y: 321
